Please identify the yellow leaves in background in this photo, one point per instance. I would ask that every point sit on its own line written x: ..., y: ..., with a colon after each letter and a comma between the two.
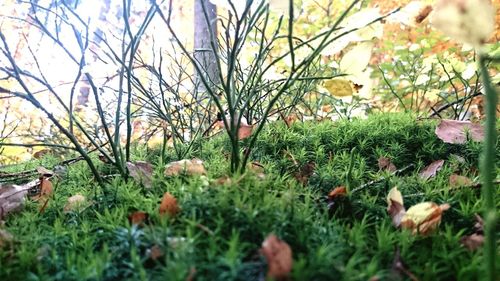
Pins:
x: 279, y: 6
x: 422, y: 218
x: 361, y: 33
x: 356, y: 59
x: 353, y: 63
x: 339, y: 87
x: 470, y: 21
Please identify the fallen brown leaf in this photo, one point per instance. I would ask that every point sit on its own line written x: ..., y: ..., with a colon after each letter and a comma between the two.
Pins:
x: 141, y: 171
x: 75, y: 203
x: 385, y: 164
x: 138, y: 217
x: 45, y: 190
x: 168, y: 205
x: 453, y: 131
x: 185, y: 166
x: 245, y: 131
x: 395, y: 206
x: 12, y: 198
x: 472, y: 242
x: 337, y: 191
x: 475, y: 240
x: 459, y: 181
x: 431, y: 170
x: 279, y: 257
x: 423, y: 218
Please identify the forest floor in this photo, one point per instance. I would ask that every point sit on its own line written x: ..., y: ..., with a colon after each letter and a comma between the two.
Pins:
x: 215, y: 227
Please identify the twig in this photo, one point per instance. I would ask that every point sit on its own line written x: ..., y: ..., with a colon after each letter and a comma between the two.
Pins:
x: 370, y: 183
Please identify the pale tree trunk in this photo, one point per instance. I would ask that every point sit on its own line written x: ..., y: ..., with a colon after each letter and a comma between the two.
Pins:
x: 203, y: 50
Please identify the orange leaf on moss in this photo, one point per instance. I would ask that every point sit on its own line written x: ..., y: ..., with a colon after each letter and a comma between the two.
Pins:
x: 337, y: 191
x: 168, y: 205
x: 279, y: 257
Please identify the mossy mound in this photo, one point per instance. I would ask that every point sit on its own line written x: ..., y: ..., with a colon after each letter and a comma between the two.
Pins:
x: 219, y: 231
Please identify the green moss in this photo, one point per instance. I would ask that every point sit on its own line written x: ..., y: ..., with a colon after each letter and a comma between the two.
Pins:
x: 221, y: 227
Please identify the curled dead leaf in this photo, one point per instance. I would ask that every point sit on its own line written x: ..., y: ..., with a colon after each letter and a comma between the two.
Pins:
x: 168, y: 205
x: 45, y: 190
x: 423, y: 218
x: 12, y: 198
x: 185, y: 166
x: 395, y: 206
x: 431, y: 170
x: 75, y: 203
x: 141, y: 171
x: 454, y: 131
x: 279, y: 257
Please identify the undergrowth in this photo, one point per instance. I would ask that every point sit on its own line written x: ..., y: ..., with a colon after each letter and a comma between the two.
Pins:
x: 218, y: 234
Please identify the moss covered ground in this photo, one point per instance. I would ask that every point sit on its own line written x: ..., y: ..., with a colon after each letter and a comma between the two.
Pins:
x: 220, y: 228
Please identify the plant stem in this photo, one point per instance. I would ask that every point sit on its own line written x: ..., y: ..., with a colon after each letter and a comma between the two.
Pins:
x: 348, y: 178
x: 488, y: 170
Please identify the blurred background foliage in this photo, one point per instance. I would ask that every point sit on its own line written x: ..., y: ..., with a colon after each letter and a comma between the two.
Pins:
x: 409, y: 67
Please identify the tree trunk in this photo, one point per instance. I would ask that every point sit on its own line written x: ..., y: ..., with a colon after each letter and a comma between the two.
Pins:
x: 203, y: 52
x: 84, y: 91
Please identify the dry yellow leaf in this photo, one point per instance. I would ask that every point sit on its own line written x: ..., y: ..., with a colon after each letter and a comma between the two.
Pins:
x: 424, y: 217
x: 339, y: 87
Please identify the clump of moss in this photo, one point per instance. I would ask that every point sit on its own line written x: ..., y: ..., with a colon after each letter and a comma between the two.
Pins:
x: 220, y: 228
